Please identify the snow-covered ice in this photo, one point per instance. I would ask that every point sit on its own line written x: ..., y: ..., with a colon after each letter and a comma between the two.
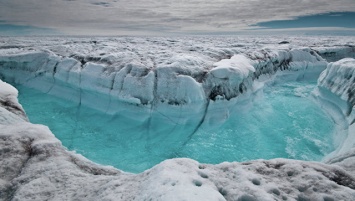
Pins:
x: 196, y: 74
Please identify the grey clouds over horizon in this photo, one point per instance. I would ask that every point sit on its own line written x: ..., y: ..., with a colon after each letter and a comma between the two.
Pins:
x: 146, y: 17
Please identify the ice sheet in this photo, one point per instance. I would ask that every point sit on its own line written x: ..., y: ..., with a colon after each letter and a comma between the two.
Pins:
x: 35, y: 166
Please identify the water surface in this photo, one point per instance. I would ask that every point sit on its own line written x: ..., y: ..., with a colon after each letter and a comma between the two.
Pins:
x: 284, y: 123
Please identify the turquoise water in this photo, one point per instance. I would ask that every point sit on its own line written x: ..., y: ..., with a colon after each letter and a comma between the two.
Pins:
x: 283, y: 123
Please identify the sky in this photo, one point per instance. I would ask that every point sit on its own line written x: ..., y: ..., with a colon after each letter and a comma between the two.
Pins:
x: 176, y: 17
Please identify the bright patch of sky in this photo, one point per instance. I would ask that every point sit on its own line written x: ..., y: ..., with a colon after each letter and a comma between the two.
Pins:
x: 345, y: 20
x: 166, y: 17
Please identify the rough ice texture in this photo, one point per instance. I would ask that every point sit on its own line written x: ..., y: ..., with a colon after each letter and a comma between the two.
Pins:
x: 9, y: 102
x: 153, y: 71
x: 336, y: 92
x: 157, y: 71
x: 339, y: 78
x: 194, y: 76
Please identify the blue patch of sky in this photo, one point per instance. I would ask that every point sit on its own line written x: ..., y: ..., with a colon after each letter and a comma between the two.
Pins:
x: 7, y: 29
x: 334, y: 19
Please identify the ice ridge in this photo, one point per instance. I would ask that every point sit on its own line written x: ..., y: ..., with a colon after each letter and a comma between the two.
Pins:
x: 185, y: 80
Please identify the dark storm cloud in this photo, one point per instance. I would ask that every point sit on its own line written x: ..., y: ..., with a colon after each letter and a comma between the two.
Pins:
x: 148, y: 16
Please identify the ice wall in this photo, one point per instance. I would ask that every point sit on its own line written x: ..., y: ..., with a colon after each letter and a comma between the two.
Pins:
x: 336, y: 90
x: 339, y: 79
x: 160, y: 81
x: 332, y: 54
x: 186, y: 80
x: 151, y: 72
x: 185, y: 88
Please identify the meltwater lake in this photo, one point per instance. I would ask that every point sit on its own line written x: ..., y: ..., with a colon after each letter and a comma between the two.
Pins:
x: 283, y: 122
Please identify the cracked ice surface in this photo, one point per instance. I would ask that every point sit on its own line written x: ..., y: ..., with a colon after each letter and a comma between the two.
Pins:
x: 35, y: 166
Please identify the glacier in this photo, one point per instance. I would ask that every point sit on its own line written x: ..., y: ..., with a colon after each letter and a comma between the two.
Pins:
x: 199, y: 78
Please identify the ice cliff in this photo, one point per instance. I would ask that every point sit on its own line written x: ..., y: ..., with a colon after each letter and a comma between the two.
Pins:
x: 335, y: 91
x: 201, y: 77
x: 196, y: 80
x: 183, y: 80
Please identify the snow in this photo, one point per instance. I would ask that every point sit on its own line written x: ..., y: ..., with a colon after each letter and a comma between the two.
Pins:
x: 9, y: 103
x: 238, y: 64
x: 8, y: 90
x: 170, y: 75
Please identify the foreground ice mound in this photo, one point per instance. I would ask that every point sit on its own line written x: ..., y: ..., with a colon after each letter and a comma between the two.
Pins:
x: 35, y: 166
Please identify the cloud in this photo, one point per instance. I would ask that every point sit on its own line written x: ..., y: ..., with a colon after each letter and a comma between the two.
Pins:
x: 104, y: 4
x: 108, y: 17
